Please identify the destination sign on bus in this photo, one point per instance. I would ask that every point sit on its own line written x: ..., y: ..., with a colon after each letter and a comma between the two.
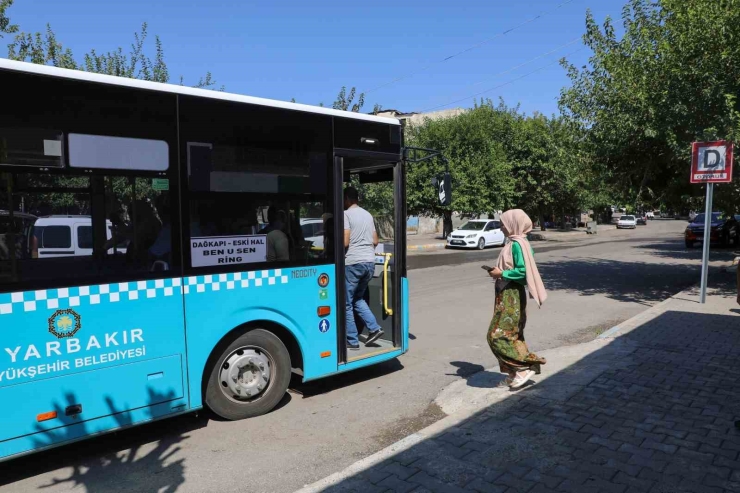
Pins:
x: 225, y: 250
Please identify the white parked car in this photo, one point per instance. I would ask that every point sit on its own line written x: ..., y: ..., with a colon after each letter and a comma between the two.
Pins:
x: 477, y: 233
x: 627, y: 222
x: 313, y: 231
x: 650, y: 215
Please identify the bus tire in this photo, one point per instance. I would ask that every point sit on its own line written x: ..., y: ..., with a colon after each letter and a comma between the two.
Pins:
x: 255, y: 359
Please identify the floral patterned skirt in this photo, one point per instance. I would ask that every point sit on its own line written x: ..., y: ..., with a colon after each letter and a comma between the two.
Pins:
x: 506, y: 332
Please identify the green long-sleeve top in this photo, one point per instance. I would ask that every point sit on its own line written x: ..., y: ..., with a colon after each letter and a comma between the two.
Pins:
x: 519, y: 272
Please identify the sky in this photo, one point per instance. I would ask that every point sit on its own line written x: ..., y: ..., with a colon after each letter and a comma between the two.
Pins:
x: 308, y: 50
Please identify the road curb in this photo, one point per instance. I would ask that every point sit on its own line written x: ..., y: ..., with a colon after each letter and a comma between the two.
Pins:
x: 425, y: 248
x: 627, y: 324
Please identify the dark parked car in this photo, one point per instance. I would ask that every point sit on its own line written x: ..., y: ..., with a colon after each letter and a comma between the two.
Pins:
x: 735, y: 230
x: 724, y: 230
x: 641, y: 219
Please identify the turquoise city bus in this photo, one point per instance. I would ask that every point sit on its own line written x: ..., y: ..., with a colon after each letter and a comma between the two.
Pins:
x: 167, y: 249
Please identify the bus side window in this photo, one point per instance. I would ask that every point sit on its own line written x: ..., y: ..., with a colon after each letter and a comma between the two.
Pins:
x: 55, y: 237
x: 96, y: 162
x: 259, y: 181
x: 138, y: 221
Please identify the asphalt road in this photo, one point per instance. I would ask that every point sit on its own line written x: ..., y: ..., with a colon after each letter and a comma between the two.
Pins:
x: 322, y: 427
x: 606, y: 234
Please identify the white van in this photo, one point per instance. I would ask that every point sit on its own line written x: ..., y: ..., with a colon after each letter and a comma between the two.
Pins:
x: 313, y: 231
x: 67, y: 236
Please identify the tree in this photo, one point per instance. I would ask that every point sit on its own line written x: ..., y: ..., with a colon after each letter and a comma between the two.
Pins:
x: 554, y: 175
x: 500, y: 158
x: 5, y: 26
x: 671, y: 79
x: 481, y: 173
x: 346, y: 101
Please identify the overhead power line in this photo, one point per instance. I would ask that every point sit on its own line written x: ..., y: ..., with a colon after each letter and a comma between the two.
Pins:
x: 470, y: 48
x: 517, y: 67
x: 500, y: 85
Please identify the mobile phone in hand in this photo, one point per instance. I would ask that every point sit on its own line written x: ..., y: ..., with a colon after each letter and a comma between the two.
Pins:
x: 486, y: 268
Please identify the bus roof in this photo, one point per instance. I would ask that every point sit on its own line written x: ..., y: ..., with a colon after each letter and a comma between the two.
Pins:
x: 33, y: 68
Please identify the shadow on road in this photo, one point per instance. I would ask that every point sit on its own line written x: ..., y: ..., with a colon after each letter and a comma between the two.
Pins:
x: 727, y: 290
x: 476, y: 376
x: 465, y: 369
x: 678, y: 251
x: 629, y: 282
x: 425, y: 261
x: 327, y: 385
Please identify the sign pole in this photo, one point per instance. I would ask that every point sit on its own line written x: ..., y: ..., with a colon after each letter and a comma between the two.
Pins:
x: 711, y: 162
x: 707, y: 239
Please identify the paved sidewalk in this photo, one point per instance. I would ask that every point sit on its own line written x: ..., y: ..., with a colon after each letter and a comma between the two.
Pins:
x: 425, y: 242
x: 650, y: 406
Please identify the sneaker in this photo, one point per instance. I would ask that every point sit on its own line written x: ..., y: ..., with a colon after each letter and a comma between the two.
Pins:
x: 373, y: 336
x: 353, y: 347
x: 520, y: 380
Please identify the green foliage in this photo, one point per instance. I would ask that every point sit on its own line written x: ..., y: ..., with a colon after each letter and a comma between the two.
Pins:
x: 5, y: 26
x: 482, y: 177
x: 377, y: 198
x: 499, y: 159
x: 671, y: 79
x: 346, y: 101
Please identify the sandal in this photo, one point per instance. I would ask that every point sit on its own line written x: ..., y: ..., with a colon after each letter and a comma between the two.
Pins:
x: 520, y: 380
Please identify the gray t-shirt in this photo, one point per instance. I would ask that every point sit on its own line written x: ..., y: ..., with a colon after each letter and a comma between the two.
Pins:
x: 361, y: 225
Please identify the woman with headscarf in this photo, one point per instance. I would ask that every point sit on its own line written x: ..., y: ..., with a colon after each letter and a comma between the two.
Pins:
x: 516, y: 276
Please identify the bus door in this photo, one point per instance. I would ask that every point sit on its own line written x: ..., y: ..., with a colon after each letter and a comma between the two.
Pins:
x: 380, y: 187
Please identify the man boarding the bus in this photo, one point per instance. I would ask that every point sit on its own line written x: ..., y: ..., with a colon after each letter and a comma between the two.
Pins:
x: 360, y: 240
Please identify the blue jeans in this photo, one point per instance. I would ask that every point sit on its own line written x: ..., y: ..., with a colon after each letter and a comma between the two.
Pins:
x: 357, y: 278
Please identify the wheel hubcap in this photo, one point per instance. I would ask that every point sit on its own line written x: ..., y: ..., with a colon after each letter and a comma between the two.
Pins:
x: 245, y: 374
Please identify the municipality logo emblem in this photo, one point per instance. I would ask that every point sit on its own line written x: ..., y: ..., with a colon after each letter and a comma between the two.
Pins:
x: 64, y: 323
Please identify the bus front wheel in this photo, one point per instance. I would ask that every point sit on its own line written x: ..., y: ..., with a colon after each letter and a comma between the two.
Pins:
x: 250, y: 377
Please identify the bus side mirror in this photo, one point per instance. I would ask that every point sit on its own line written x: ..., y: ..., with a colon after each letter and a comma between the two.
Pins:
x: 443, y: 186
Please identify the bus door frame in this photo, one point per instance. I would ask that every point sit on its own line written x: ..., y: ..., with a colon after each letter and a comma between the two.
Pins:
x: 399, y: 242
